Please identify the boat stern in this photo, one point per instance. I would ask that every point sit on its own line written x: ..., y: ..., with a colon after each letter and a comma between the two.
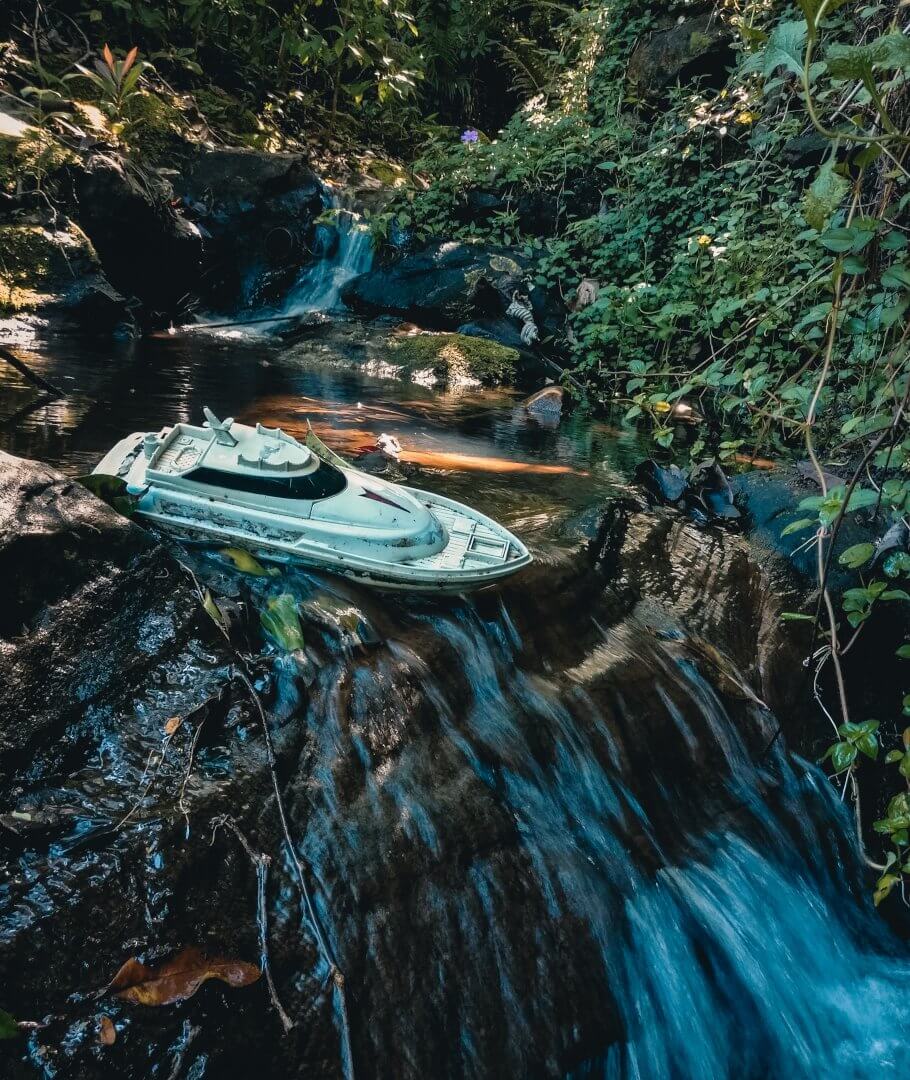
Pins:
x: 117, y: 461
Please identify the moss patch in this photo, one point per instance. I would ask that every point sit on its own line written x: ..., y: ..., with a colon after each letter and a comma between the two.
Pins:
x: 226, y: 113
x: 155, y: 127
x: 456, y: 357
x: 37, y: 265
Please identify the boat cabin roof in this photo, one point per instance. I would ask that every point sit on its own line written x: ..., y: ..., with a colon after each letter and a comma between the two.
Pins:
x: 232, y: 448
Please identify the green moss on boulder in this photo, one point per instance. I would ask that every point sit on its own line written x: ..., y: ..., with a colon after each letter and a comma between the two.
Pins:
x: 37, y: 266
x: 456, y: 357
x: 155, y: 127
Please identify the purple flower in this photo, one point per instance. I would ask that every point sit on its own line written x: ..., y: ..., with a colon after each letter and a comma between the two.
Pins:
x: 470, y: 136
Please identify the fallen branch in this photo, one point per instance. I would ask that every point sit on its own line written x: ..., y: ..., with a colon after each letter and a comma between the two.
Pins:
x: 261, y: 862
x: 26, y: 372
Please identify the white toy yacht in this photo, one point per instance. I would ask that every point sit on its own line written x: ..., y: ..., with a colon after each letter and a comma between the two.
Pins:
x: 285, y: 501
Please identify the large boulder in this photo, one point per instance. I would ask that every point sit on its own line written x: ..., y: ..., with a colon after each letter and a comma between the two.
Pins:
x: 257, y: 211
x: 441, y: 287
x: 700, y: 47
x: 146, y: 248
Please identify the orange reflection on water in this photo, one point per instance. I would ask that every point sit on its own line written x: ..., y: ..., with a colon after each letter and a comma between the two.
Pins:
x: 291, y: 413
x: 436, y: 459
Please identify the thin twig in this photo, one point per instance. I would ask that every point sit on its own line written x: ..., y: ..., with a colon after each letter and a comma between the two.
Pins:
x: 261, y: 862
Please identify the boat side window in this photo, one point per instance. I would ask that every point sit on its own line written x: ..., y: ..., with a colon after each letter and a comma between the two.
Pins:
x: 322, y: 483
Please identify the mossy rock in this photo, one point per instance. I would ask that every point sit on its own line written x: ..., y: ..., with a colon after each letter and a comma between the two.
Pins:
x: 455, y: 358
x: 222, y: 110
x: 37, y: 266
x: 388, y: 173
x: 154, y: 127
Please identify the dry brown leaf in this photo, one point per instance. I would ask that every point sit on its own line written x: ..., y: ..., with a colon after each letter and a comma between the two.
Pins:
x: 171, y: 725
x: 178, y: 978
x: 107, y: 1033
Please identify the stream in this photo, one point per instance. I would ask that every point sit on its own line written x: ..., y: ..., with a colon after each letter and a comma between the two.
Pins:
x: 542, y: 840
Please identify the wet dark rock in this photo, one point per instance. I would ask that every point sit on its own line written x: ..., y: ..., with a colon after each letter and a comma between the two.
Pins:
x: 441, y: 287
x: 86, y: 607
x: 666, y: 483
x: 146, y: 248
x: 479, y: 205
x: 805, y: 151
x: 498, y: 328
x: 699, y: 47
x: 703, y: 491
x: 482, y: 794
x: 97, y: 308
x: 258, y: 210
x: 717, y: 585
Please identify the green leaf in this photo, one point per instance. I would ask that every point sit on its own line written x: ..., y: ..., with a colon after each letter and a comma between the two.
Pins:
x: 785, y: 48
x: 9, y: 1029
x: 857, y: 555
x: 281, y: 621
x: 896, y: 277
x: 214, y: 612
x: 904, y: 652
x: 824, y: 195
x: 861, y: 497
x: 795, y: 616
x: 112, y: 490
x: 893, y: 755
x: 843, y: 755
x: 798, y: 526
x: 895, y: 594
x: 844, y: 239
x: 868, y: 745
x: 883, y: 887
x: 247, y: 564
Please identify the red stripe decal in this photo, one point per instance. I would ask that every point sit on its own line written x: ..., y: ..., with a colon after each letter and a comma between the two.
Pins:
x: 382, y: 499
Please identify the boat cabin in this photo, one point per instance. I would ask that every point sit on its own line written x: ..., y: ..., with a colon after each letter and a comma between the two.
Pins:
x: 260, y: 461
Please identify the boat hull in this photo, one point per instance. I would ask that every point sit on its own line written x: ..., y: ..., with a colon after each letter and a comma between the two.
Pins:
x: 479, y: 553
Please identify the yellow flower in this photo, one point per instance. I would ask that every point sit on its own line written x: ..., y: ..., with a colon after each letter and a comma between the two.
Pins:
x: 746, y: 117
x: 704, y: 240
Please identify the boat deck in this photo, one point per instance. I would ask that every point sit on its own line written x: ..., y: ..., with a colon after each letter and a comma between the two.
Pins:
x: 472, y: 544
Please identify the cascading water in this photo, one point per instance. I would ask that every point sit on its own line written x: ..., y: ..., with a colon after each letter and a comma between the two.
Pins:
x: 343, y: 250
x: 693, y: 894
x: 543, y: 840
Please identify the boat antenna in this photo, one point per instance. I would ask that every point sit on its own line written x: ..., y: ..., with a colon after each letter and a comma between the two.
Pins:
x: 222, y: 428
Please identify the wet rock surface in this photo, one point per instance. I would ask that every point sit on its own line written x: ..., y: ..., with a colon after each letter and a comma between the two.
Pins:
x: 493, y: 801
x: 66, y: 558
x: 257, y: 211
x: 442, y: 287
x: 147, y: 250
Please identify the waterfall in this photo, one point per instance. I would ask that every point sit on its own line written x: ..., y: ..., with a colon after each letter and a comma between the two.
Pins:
x: 618, y: 874
x: 346, y: 250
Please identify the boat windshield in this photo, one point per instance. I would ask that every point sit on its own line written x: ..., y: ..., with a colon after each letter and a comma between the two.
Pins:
x: 322, y: 483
